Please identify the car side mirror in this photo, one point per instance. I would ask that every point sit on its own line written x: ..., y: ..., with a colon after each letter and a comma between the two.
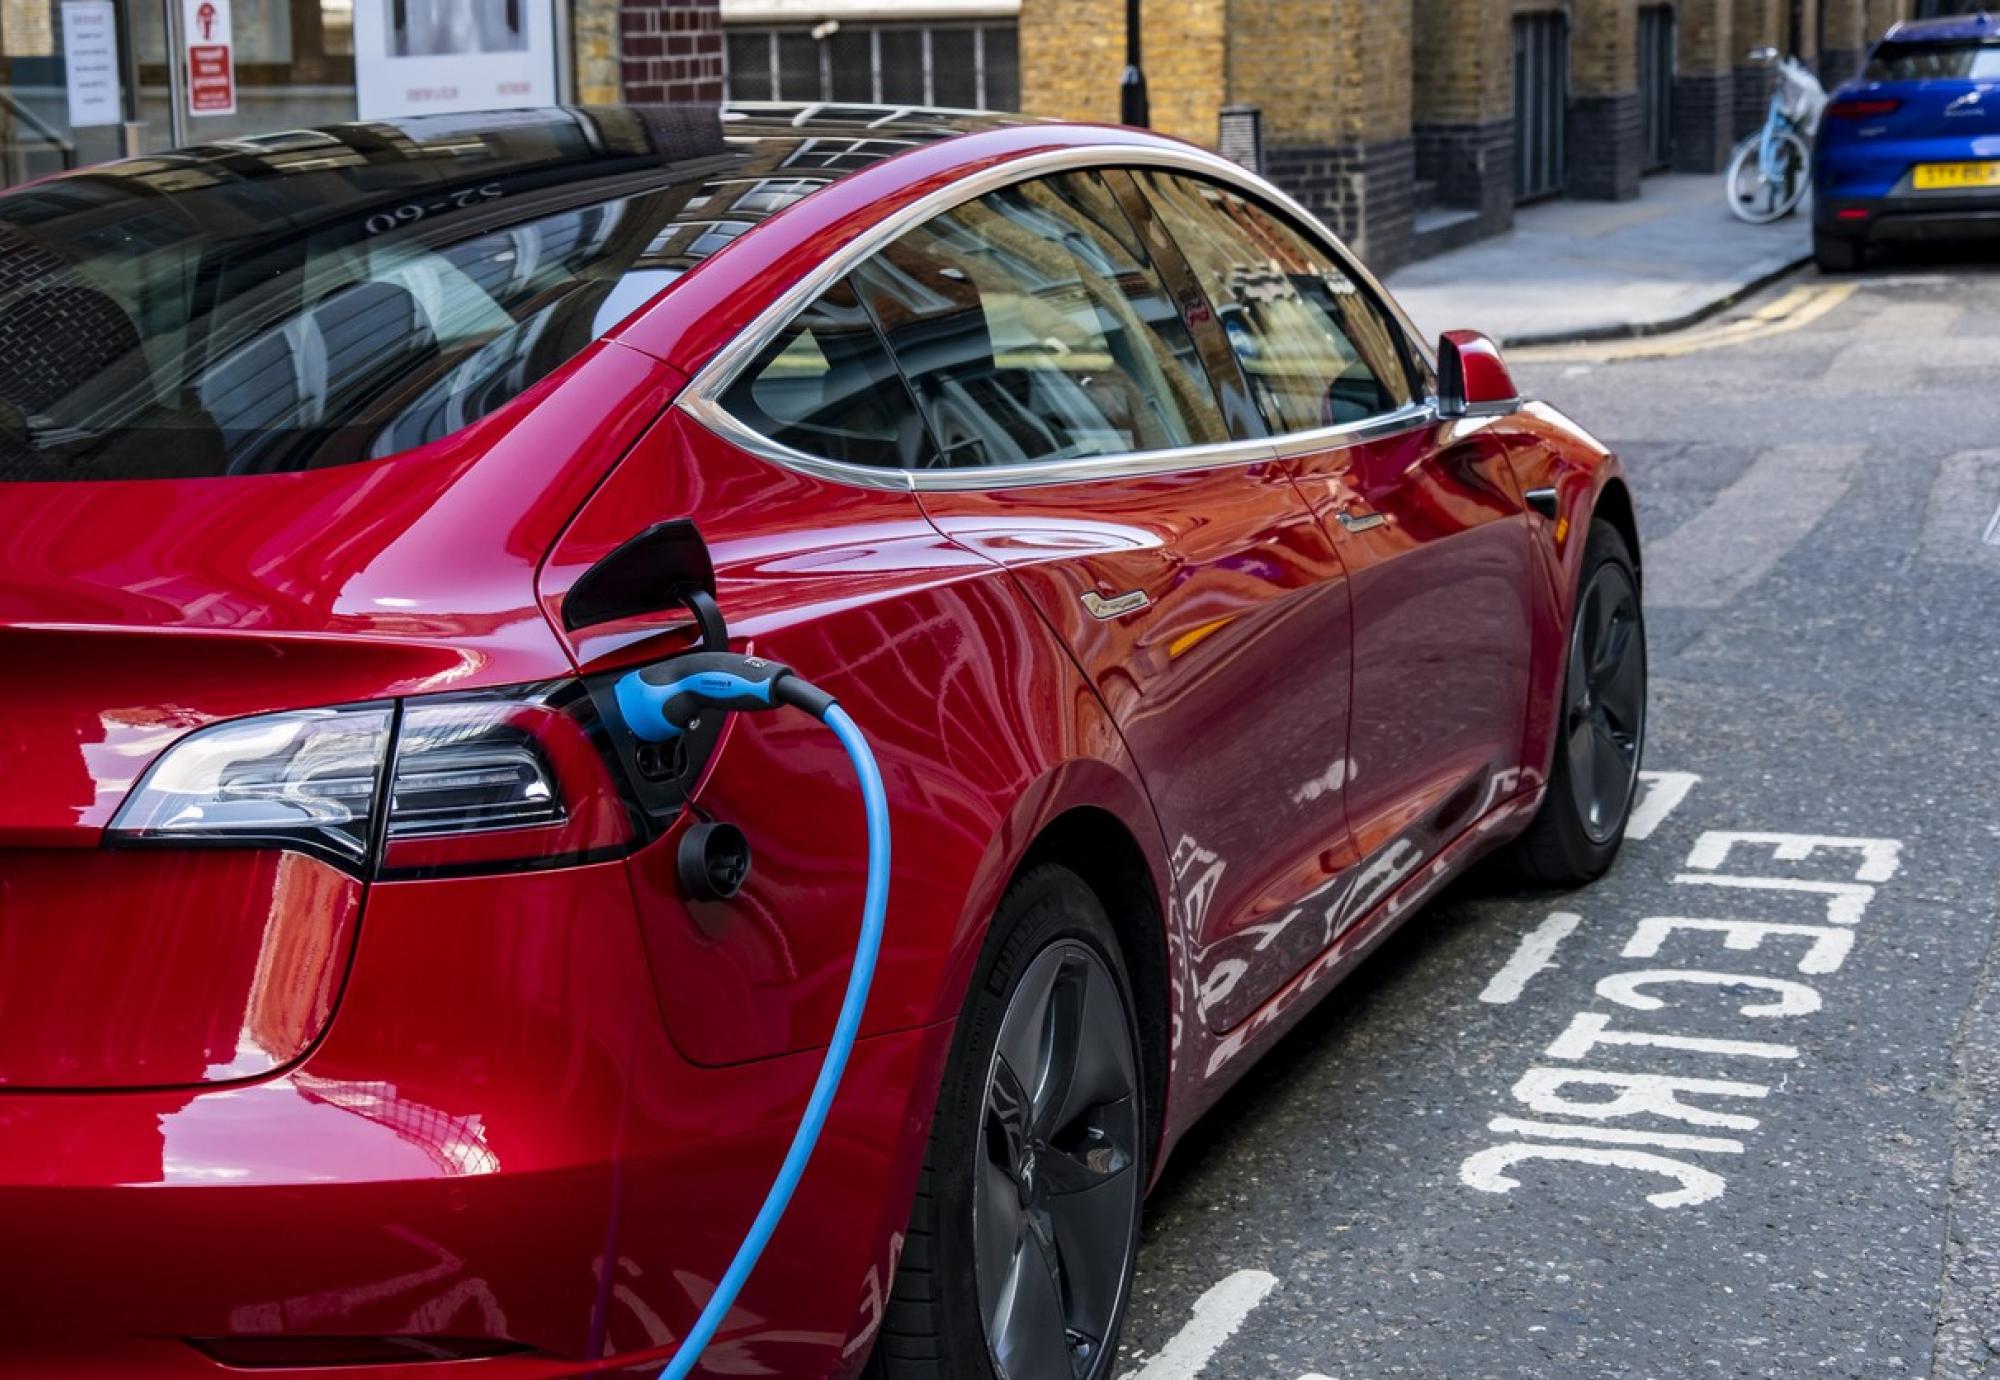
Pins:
x: 1472, y: 378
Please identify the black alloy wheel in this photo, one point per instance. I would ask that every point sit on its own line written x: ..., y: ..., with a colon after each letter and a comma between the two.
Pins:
x: 1056, y: 1199
x: 1600, y: 731
x: 1019, y: 1257
x: 1604, y: 700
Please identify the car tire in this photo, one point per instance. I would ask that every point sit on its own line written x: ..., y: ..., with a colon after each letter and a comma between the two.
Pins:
x: 1575, y: 836
x: 1052, y: 948
x: 1836, y: 253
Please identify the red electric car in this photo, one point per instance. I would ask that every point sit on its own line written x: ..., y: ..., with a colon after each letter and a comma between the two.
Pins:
x: 356, y: 1010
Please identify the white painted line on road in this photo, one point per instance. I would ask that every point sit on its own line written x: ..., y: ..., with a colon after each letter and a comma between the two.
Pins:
x: 1728, y: 547
x: 1568, y: 1130
x: 1846, y: 902
x: 1535, y: 952
x: 1956, y: 527
x: 1879, y: 857
x: 1217, y: 1315
x: 1589, y: 1029
x: 1665, y: 790
x: 1613, y: 1135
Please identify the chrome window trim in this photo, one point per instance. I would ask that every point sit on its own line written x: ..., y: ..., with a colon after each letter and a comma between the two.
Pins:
x: 701, y: 400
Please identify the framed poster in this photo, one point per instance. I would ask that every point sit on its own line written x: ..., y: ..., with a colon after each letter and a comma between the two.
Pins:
x: 90, y: 63
x: 419, y: 57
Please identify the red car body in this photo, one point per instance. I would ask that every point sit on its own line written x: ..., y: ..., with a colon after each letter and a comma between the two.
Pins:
x: 529, y: 1113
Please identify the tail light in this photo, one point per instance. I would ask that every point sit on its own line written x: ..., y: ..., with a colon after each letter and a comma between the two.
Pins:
x: 1864, y: 108
x: 494, y: 780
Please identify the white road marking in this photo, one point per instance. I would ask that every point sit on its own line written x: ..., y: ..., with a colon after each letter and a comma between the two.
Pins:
x: 1639, y: 1094
x: 1879, y: 857
x: 1576, y: 1123
x: 1957, y: 525
x: 1665, y: 790
x: 1486, y: 1171
x: 1535, y: 952
x: 1589, y: 1029
x: 1731, y: 545
x: 1614, y: 1135
x: 1217, y: 1315
x: 1846, y: 902
x: 1793, y: 998
x: 1829, y: 949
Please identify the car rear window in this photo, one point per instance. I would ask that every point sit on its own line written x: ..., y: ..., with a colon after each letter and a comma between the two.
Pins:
x: 322, y: 297
x: 1957, y: 60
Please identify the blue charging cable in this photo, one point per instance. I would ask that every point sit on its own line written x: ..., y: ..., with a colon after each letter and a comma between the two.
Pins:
x: 658, y: 704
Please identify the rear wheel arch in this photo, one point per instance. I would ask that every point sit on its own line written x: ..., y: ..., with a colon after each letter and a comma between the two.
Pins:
x: 1614, y: 505
x: 1096, y: 845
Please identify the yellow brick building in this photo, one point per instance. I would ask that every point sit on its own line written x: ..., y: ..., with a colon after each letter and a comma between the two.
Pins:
x: 1410, y: 125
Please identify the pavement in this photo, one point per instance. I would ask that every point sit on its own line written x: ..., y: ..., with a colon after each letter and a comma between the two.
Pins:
x: 1571, y: 270
x: 1635, y: 1130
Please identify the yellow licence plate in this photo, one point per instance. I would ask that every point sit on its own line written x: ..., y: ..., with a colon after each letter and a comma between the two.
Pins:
x: 1932, y: 176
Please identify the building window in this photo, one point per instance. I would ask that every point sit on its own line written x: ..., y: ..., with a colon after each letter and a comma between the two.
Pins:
x: 968, y: 66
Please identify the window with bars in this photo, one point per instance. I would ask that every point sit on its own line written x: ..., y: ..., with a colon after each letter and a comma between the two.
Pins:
x: 965, y: 66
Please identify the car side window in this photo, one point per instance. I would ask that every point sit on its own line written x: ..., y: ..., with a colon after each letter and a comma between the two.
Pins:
x: 1032, y: 327
x: 1316, y: 350
x: 826, y: 386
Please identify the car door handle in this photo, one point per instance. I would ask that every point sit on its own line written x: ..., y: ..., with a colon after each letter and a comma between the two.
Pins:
x: 1131, y: 601
x: 1362, y: 522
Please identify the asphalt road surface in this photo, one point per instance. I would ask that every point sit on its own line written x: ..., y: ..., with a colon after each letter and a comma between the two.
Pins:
x: 1501, y: 1149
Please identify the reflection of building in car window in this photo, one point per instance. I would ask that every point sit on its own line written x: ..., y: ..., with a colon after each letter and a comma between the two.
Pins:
x: 321, y: 297
x: 1031, y: 329
x: 442, y: 28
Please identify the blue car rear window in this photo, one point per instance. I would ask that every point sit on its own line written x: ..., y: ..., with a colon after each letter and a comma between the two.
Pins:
x: 1938, y: 60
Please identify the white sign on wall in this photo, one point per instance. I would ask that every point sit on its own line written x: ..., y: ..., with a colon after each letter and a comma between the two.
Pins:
x: 90, y: 62
x: 418, y: 57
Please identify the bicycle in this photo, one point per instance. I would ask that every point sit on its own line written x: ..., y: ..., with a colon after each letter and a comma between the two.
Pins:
x: 1771, y: 170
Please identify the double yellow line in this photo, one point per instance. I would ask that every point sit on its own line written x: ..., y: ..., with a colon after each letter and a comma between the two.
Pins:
x: 1800, y: 307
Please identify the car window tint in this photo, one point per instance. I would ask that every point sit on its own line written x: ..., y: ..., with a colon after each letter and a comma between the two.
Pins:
x: 826, y: 386
x: 1031, y: 327
x: 1935, y: 61
x: 1317, y: 352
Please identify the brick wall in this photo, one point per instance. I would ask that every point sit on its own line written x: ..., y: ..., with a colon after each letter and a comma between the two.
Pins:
x: 1371, y: 105
x: 1072, y: 52
x: 1704, y: 85
x: 594, y: 40
x: 1333, y: 78
x: 1845, y: 26
x: 1462, y: 55
x: 670, y: 50
x: 1462, y: 60
x: 1073, y: 58
x: 1186, y: 65
x: 1883, y: 13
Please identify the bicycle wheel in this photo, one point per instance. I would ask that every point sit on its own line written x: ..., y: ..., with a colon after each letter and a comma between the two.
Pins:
x: 1761, y: 193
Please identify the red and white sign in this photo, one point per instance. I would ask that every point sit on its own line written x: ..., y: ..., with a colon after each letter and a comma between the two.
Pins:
x: 211, y: 57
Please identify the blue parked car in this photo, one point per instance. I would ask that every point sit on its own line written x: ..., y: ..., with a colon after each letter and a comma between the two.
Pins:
x: 1910, y: 149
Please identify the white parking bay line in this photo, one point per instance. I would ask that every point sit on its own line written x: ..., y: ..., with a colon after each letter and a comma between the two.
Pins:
x: 1536, y: 951
x: 1217, y: 1315
x: 1729, y: 546
x: 1960, y: 524
x: 1664, y: 791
